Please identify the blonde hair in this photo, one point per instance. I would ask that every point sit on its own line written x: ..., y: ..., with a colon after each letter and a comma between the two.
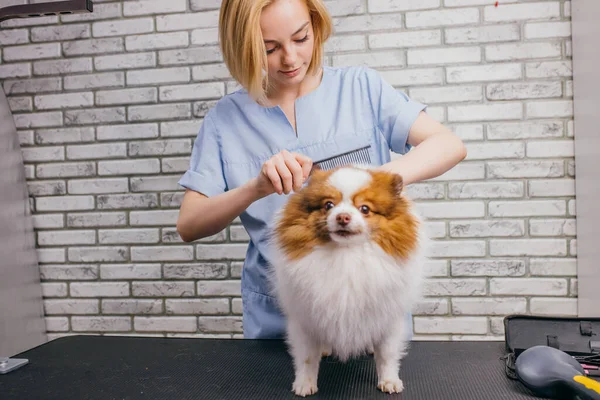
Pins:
x: 244, y: 50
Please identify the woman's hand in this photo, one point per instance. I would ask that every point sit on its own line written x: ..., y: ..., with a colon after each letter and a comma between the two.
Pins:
x: 283, y: 173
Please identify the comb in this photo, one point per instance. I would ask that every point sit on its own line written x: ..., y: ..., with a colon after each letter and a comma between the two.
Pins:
x: 358, y: 156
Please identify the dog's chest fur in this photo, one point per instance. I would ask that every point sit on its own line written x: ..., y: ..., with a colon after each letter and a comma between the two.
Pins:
x: 347, y: 297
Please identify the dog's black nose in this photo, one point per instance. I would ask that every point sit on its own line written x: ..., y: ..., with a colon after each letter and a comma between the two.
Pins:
x: 343, y: 219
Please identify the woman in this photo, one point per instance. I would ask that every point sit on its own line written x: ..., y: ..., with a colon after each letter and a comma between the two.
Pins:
x: 258, y: 144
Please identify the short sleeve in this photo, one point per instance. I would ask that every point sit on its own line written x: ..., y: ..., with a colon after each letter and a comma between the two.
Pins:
x: 205, y: 174
x: 394, y: 111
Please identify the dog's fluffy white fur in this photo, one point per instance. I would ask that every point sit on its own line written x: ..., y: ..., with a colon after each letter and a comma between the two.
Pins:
x: 347, y: 296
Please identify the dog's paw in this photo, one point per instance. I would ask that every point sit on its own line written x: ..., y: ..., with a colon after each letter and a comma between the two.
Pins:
x: 304, y: 387
x: 393, y: 385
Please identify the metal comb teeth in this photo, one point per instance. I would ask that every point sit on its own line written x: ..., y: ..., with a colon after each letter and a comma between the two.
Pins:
x: 358, y: 156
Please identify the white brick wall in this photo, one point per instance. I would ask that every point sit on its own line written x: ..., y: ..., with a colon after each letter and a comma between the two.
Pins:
x: 108, y: 104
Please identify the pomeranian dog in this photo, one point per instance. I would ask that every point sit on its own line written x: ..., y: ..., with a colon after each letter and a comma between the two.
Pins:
x: 347, y: 268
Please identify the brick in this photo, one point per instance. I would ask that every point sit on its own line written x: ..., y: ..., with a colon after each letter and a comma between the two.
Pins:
x: 13, y: 36
x: 51, y: 255
x: 212, y: 90
x: 54, y: 289
x: 435, y: 210
x: 59, y: 67
x: 101, y: 324
x: 93, y: 46
x: 68, y: 272
x: 96, y: 151
x: 126, y: 201
x: 195, y: 271
x: 208, y: 72
x: 123, y: 27
x: 522, y: 51
x: 99, y: 289
x: 160, y: 147
x: 525, y: 169
x: 527, y: 208
x: 160, y: 324
x: 238, y: 234
x: 20, y: 104
x: 332, y: 46
x: 162, y: 289
x: 411, y: 76
x: 176, y: 164
x: 129, y: 271
x: 38, y: 120
x: 128, y: 236
x: 16, y: 70
x: 48, y: 153
x: 482, y: 34
x: 219, y: 288
x: 162, y: 253
x: 188, y: 21
x: 456, y: 325
x: 553, y: 227
x: 19, y: 22
x: 74, y: 237
x: 390, y: 58
x: 484, y: 73
x: 400, y: 39
x: 485, y: 112
x: 171, y: 199
x: 31, y: 52
x: 154, y: 183
x: 528, y: 247
x: 469, y: 229
x: 197, y: 306
x: 462, y: 3
x: 34, y: 86
x: 159, y: 112
x: 549, y: 69
x: 490, y: 151
x: 153, y: 218
x: 444, y: 17
x: 517, y: 12
x: 101, y: 11
x: 199, y: 5
x: 66, y: 170
x: 553, y: 266
x: 157, y: 41
x: 98, y: 186
x: 94, y: 116
x: 440, y: 56
x: 57, y: 324
x: 527, y: 90
x: 453, y: 248
x: 447, y: 94
x: 59, y: 33
x: 96, y: 219
x: 131, y: 306
x: 220, y: 324
x: 129, y: 131
x: 544, y: 30
x: 431, y: 307
x: 382, y: 6
x: 46, y: 188
x: 127, y: 96
x: 64, y: 203
x: 365, y: 23
x: 127, y: 167
x: 463, y: 171
x: 97, y: 254
x: 487, y: 267
x: 158, y: 75
x: 467, y: 132
x: 48, y: 221
x: 71, y: 307
x: 489, y: 306
x: 486, y: 190
x: 125, y: 61
x: 425, y: 191
x: 550, y: 109
x: 552, y: 188
x: 144, y: 7
x: 525, y: 130
x: 528, y: 286
x: 553, y: 307
x: 64, y: 135
x: 93, y: 81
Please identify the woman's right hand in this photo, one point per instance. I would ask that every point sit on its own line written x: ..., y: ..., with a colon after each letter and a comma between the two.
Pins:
x: 283, y: 173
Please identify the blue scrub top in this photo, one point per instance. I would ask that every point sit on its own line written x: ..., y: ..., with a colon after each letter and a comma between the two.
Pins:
x: 352, y: 108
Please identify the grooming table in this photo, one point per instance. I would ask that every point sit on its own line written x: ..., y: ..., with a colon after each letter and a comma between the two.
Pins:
x: 111, y: 367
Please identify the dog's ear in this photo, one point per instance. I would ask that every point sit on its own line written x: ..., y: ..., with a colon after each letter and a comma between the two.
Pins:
x: 397, y: 184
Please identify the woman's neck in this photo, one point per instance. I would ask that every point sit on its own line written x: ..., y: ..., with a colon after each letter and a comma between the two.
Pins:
x: 281, y: 95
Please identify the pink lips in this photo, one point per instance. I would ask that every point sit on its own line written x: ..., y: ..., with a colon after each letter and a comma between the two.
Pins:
x: 291, y: 73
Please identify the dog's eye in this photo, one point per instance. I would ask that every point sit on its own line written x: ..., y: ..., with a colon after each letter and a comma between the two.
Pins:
x: 329, y: 205
x: 364, y: 209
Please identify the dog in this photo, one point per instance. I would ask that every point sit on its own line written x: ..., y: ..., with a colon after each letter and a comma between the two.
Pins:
x: 347, y: 267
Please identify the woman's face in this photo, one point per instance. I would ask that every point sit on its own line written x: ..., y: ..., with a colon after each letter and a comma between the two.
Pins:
x: 289, y: 40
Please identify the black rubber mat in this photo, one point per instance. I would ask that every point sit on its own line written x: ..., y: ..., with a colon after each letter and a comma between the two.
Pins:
x: 126, y: 368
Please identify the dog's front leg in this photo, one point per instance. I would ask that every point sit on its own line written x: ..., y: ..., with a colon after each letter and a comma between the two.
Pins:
x: 388, y: 355
x: 307, y: 357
